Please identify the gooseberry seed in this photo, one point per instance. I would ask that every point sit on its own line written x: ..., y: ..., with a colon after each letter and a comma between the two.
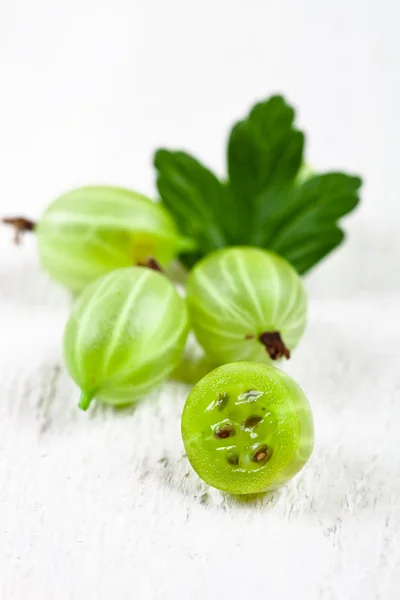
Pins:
x: 251, y: 422
x: 263, y: 454
x: 222, y: 400
x: 233, y: 459
x: 224, y: 432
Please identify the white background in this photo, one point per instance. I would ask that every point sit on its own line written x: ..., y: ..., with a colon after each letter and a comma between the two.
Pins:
x: 104, y: 504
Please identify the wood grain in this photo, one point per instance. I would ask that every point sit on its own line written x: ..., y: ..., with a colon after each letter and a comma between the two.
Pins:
x: 105, y: 504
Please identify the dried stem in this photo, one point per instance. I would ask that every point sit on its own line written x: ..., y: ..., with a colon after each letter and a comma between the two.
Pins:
x: 20, y: 224
x: 274, y: 344
x: 150, y: 263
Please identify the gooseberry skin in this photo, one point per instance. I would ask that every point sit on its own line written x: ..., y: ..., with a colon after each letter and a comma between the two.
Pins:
x: 126, y: 333
x: 237, y: 294
x: 91, y: 231
x: 247, y: 428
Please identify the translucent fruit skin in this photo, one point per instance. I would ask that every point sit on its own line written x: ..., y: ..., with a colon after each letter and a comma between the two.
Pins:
x: 126, y: 333
x: 91, y: 231
x: 236, y: 294
x: 247, y: 428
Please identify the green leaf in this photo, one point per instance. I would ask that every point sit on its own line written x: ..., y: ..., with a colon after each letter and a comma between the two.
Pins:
x: 300, y: 223
x: 196, y: 198
x: 266, y: 202
x: 264, y: 149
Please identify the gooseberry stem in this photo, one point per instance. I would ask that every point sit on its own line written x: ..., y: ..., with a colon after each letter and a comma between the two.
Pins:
x: 20, y: 224
x: 150, y: 263
x: 85, y: 400
x: 274, y: 344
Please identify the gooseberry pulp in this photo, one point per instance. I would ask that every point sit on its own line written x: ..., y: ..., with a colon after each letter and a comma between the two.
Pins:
x: 90, y: 231
x: 246, y: 304
x: 125, y: 334
x: 247, y: 428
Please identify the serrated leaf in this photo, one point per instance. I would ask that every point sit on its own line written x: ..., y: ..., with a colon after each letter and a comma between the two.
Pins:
x: 300, y: 223
x: 264, y: 149
x: 265, y: 202
x: 196, y: 198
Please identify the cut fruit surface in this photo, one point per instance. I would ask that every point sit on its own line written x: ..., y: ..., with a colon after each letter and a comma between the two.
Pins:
x: 247, y: 428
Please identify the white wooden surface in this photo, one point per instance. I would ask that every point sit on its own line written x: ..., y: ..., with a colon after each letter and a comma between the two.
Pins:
x: 104, y: 505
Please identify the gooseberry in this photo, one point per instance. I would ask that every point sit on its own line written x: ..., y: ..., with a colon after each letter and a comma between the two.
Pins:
x: 246, y: 304
x: 125, y: 335
x: 247, y: 428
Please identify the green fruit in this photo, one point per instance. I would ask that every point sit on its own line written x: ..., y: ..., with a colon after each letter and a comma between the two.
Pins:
x: 247, y: 428
x: 93, y: 230
x: 125, y: 335
x: 246, y: 304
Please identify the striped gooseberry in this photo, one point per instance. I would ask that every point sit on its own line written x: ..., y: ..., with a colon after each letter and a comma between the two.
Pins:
x: 246, y: 304
x: 125, y: 335
x: 91, y: 231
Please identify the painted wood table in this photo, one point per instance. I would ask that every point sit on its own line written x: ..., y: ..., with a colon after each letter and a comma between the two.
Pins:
x: 105, y: 504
